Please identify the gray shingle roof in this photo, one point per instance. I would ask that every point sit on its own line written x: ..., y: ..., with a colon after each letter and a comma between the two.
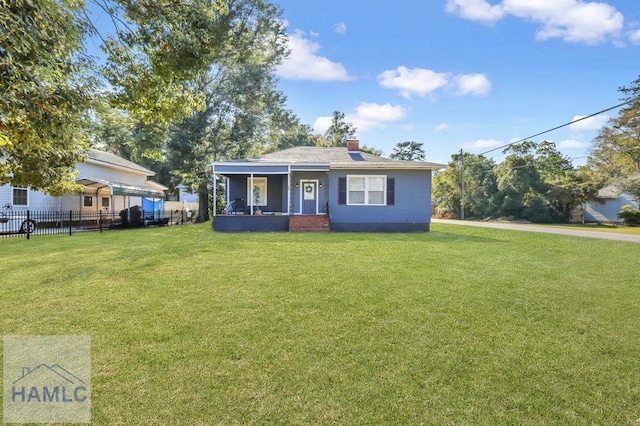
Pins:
x: 107, y: 157
x: 335, y: 156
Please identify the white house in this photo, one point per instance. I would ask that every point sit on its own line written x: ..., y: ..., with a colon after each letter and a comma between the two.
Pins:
x: 606, y: 210
x: 110, y: 184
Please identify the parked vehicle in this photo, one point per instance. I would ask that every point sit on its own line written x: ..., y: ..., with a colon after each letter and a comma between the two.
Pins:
x: 13, y: 221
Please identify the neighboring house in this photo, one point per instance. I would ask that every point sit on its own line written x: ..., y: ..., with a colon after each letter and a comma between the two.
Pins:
x: 110, y: 184
x: 184, y: 196
x: 325, y: 188
x: 609, y: 203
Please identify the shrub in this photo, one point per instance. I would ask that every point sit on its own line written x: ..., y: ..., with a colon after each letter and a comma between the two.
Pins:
x: 629, y: 216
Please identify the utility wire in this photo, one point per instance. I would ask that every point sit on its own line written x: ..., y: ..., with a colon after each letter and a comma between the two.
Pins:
x: 559, y: 127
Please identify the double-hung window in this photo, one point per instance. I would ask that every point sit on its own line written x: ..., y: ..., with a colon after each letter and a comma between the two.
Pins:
x: 20, y: 197
x: 366, y: 190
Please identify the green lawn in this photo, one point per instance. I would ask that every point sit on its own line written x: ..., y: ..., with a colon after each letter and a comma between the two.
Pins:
x: 461, y: 325
x: 594, y: 227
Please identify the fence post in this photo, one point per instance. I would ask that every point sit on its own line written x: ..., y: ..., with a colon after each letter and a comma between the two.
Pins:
x: 28, y: 222
x: 70, y: 218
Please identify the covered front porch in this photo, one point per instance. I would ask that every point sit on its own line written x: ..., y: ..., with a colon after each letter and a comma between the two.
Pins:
x: 263, y: 197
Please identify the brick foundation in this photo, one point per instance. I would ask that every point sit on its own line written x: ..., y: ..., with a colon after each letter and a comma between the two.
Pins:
x: 308, y: 223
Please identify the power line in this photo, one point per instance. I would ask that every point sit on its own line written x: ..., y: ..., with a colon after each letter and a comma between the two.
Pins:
x: 558, y: 127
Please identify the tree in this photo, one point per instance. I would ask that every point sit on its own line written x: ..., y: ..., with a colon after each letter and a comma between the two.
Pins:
x: 44, y: 96
x: 479, y: 184
x: 632, y: 186
x: 48, y: 88
x: 242, y: 105
x: 616, y: 152
x: 339, y: 131
x: 408, y: 151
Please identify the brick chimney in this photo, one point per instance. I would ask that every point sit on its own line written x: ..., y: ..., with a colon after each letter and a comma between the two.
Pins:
x: 353, y: 145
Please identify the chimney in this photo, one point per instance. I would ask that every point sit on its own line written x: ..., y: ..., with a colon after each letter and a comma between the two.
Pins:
x: 353, y: 145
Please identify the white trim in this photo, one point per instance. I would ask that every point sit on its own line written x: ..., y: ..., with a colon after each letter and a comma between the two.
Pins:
x: 119, y: 167
x: 251, y: 182
x: 24, y: 188
x: 366, y: 190
x: 317, y: 182
x: 289, y: 191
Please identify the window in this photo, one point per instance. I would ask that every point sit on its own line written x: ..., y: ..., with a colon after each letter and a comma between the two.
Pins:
x: 88, y: 201
x: 20, y: 197
x: 259, y: 192
x: 366, y: 190
x: 105, y: 202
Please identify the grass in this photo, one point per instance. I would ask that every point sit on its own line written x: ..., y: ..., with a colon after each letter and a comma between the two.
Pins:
x: 458, y: 326
x: 620, y: 229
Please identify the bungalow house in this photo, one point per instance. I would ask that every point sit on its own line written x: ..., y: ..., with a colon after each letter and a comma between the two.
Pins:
x: 324, y: 188
x: 605, y: 209
x: 109, y: 184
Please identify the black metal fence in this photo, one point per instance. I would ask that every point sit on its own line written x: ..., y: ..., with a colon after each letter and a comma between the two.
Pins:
x: 29, y: 223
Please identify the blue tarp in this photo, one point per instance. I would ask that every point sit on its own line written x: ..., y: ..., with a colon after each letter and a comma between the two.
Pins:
x: 151, y: 207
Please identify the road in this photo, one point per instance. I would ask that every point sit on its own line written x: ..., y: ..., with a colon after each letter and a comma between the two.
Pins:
x: 547, y: 230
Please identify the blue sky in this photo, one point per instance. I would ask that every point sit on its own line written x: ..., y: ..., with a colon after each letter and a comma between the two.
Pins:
x: 460, y: 74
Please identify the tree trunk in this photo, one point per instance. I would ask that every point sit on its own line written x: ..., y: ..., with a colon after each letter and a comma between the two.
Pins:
x: 203, y: 203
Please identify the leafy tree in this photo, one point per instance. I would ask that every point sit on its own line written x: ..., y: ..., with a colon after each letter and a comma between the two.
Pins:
x: 616, y: 152
x: 49, y: 84
x: 632, y: 186
x: 479, y: 183
x: 286, y: 131
x: 339, y: 131
x: 242, y: 106
x: 45, y: 94
x: 518, y: 179
x: 408, y: 151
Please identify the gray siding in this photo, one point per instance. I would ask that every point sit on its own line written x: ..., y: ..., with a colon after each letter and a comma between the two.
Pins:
x: 412, y: 200
x: 607, y: 212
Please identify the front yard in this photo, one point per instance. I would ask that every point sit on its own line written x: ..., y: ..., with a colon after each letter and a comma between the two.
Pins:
x: 458, y: 326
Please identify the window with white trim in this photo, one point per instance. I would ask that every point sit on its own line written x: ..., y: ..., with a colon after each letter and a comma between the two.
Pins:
x: 20, y: 196
x: 366, y: 190
x: 87, y: 201
x: 259, y: 192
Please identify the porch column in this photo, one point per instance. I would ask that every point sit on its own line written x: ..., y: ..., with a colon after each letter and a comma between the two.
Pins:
x: 289, y: 191
x: 226, y: 192
x: 251, y: 194
x: 215, y: 186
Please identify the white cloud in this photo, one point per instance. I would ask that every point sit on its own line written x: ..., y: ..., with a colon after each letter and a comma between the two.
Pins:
x: 314, y: 34
x: 416, y: 81
x: 634, y: 36
x: 304, y: 64
x: 371, y: 115
x: 321, y: 124
x: 367, y: 116
x: 471, y: 84
x: 589, y: 124
x: 441, y: 127
x: 482, y: 145
x: 575, y: 21
x: 572, y: 144
x: 475, y: 10
x: 340, y: 28
x: 422, y: 81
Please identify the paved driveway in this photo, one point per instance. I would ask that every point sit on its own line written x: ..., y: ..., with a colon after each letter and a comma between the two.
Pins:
x: 543, y: 229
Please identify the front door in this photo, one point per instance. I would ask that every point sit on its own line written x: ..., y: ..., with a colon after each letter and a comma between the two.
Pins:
x: 309, y: 197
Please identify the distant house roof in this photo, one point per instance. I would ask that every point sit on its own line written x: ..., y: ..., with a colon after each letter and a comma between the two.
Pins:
x: 107, y: 157
x: 336, y: 157
x: 610, y: 191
